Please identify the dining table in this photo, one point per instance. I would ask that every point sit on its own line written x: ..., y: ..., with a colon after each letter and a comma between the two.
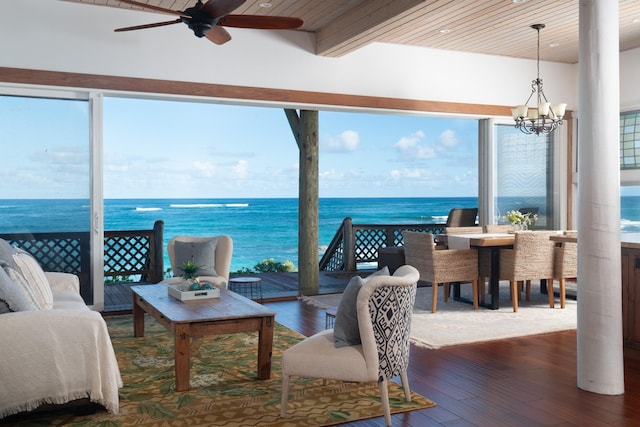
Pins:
x: 491, y: 241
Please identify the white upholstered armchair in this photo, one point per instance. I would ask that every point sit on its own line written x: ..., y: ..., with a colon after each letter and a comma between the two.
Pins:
x: 384, y: 305
x: 211, y: 254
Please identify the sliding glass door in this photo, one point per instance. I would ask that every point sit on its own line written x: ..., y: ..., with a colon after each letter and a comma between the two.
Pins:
x: 45, y: 175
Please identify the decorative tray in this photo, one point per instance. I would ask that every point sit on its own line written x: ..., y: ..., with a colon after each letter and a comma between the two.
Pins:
x: 181, y: 292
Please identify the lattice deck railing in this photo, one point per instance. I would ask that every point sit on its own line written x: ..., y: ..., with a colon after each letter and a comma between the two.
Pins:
x: 126, y: 253
x: 359, y: 243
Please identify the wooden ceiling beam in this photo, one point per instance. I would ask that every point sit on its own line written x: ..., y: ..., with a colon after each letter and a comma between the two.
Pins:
x: 345, y: 33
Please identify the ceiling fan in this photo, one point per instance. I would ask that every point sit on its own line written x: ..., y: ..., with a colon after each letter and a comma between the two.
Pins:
x: 208, y: 19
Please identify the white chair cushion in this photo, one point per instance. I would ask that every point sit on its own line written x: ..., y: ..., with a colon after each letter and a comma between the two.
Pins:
x: 318, y: 357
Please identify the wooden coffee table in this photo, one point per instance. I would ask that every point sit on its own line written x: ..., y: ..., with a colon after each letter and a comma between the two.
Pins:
x: 229, y: 314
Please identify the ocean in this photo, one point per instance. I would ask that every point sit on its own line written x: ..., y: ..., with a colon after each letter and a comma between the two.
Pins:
x: 260, y: 228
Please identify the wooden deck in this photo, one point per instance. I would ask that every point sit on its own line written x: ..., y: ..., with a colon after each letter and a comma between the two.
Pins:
x: 275, y: 287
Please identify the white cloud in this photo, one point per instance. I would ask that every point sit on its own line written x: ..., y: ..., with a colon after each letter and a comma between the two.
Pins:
x: 240, y: 170
x: 206, y: 169
x: 332, y: 175
x: 448, y: 139
x: 411, y: 147
x: 347, y: 141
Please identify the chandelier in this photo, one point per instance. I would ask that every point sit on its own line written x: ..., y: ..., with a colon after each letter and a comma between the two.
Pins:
x: 542, y: 117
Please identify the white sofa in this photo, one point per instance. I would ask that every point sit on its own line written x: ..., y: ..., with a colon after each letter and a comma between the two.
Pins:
x: 53, y: 354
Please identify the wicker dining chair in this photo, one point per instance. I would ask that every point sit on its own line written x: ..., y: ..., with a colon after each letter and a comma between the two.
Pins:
x: 531, y: 258
x: 441, y: 265
x: 463, y: 230
x: 565, y: 265
x: 462, y: 217
x: 499, y: 228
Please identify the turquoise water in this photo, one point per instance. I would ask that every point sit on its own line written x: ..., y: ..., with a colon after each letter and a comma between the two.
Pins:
x: 260, y: 228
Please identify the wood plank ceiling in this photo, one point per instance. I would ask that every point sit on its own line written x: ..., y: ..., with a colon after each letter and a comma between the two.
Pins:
x: 495, y: 27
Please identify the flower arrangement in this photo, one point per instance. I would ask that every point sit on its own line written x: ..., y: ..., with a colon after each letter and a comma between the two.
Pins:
x: 519, y: 218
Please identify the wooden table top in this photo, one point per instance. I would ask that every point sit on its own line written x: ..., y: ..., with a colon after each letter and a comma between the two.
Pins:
x: 482, y: 239
x: 228, y: 306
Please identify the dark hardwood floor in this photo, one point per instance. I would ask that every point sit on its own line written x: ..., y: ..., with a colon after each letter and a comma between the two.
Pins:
x: 516, y: 382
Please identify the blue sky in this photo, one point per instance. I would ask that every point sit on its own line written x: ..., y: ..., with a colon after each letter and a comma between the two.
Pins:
x: 169, y: 149
x: 182, y: 149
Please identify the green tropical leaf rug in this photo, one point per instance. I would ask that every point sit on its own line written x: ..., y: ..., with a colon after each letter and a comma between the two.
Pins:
x: 224, y: 389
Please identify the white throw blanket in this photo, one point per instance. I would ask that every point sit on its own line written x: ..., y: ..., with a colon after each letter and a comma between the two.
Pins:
x: 55, y: 356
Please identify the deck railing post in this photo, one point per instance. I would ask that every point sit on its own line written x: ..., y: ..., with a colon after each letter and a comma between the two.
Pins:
x: 349, y: 245
x: 157, y: 258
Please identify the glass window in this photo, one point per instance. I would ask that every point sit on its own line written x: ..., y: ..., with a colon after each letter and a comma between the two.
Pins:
x: 630, y: 140
x: 523, y: 175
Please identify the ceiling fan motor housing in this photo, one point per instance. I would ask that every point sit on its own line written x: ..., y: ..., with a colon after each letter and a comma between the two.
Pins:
x: 199, y: 22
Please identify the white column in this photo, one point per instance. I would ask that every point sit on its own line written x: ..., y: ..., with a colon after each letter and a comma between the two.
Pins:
x: 600, y: 346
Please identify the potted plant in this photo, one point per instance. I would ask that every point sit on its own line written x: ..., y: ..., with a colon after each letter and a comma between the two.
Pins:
x: 189, y: 269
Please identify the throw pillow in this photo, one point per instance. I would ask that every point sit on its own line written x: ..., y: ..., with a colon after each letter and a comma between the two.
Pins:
x: 23, y: 288
x: 11, y: 298
x: 202, y: 253
x: 6, y: 252
x: 346, y: 330
x: 35, y: 277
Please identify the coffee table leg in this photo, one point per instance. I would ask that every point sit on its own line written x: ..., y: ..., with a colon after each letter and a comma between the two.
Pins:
x: 182, y: 347
x: 138, y: 318
x: 265, y: 345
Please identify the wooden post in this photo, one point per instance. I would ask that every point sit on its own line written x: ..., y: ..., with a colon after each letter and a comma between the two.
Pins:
x: 349, y: 245
x: 157, y: 260
x: 305, y: 130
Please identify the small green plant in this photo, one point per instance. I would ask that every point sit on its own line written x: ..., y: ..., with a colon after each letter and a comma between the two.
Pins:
x: 118, y: 279
x: 243, y: 270
x: 271, y: 266
x: 189, y: 269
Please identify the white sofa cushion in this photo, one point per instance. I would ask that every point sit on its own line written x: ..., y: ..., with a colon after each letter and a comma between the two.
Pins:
x: 23, y: 287
x: 11, y: 297
x: 35, y: 277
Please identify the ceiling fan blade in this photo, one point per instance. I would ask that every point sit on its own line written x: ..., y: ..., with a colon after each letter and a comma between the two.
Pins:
x: 218, y: 35
x: 261, y: 22
x: 142, y: 27
x: 218, y: 8
x: 155, y: 8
